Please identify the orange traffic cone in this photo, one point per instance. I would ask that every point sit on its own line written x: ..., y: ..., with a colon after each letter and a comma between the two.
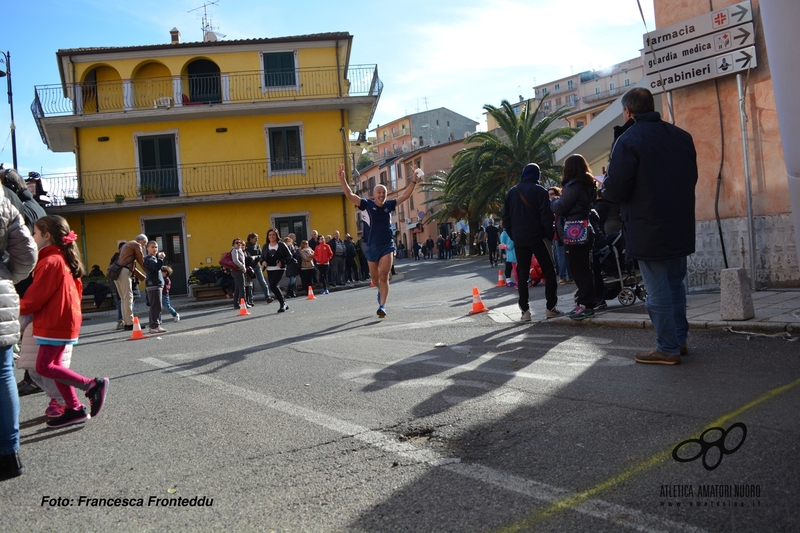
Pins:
x: 137, y: 331
x: 243, y: 308
x: 311, y: 294
x: 477, y: 303
x: 501, y: 279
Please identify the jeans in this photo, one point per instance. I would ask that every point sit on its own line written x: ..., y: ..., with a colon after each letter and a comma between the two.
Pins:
x: 9, y: 403
x: 666, y: 302
x: 561, y: 261
x: 260, y: 280
x: 337, y: 270
x: 540, y: 250
x: 238, y: 287
x: 166, y: 304
x: 154, y: 297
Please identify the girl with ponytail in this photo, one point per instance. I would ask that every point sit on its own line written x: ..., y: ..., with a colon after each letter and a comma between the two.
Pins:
x: 54, y: 299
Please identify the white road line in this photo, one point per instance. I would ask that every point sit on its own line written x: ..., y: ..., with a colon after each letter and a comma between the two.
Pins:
x: 617, y: 514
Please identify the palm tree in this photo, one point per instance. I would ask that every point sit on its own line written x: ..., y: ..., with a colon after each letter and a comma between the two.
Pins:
x: 491, y: 164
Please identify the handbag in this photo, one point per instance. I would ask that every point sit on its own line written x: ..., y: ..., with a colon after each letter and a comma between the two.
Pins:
x: 113, y: 271
x: 227, y: 261
x: 576, y: 232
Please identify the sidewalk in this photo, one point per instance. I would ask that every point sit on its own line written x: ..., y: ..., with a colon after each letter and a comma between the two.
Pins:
x: 777, y: 311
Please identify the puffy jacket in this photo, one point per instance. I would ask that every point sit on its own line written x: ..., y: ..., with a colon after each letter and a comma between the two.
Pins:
x: 152, y: 269
x: 17, y: 241
x: 54, y: 298
x: 653, y: 174
x: 574, y: 203
x: 528, y: 226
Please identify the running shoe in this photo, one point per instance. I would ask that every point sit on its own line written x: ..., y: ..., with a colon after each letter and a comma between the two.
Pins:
x: 382, y: 311
x: 97, y: 394
x: 70, y: 416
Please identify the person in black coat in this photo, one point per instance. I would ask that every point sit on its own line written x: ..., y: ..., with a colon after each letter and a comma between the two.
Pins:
x: 653, y: 174
x: 528, y: 220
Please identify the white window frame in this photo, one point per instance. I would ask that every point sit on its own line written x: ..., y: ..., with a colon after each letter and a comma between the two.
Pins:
x: 264, y: 88
x: 303, y: 165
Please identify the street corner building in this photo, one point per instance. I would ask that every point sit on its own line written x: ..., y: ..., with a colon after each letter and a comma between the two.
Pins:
x: 196, y: 143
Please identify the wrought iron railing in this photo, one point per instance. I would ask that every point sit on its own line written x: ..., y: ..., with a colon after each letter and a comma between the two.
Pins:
x: 188, y: 90
x: 193, y: 180
x: 601, y: 95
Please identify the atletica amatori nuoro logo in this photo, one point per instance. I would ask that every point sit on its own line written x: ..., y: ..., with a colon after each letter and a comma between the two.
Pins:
x: 684, y: 452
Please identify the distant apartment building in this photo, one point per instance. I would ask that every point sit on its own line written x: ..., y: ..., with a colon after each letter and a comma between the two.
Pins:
x: 587, y: 94
x: 426, y: 128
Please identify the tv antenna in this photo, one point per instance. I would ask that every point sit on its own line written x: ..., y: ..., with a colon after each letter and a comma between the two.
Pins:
x: 208, y: 30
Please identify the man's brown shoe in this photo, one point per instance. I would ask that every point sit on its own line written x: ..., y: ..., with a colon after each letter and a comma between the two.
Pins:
x: 654, y: 357
x: 684, y: 349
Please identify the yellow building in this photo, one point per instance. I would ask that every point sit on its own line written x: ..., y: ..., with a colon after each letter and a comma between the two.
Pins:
x: 195, y: 144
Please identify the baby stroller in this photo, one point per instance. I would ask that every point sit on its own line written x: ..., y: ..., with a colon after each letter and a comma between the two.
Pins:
x: 621, y: 278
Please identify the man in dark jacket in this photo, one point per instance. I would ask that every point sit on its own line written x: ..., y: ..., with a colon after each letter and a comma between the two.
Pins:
x: 652, y: 174
x: 528, y: 220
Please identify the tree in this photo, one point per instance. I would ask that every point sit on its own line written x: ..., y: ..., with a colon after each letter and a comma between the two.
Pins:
x: 491, y: 164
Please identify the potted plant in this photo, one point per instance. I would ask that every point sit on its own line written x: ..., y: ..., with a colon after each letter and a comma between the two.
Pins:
x: 119, y: 198
x: 73, y: 200
x: 149, y: 190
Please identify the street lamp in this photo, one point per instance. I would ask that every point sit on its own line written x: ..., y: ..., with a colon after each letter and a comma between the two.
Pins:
x: 7, y: 73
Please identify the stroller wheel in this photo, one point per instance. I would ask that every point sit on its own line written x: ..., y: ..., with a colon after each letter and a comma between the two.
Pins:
x: 626, y: 297
x: 640, y: 292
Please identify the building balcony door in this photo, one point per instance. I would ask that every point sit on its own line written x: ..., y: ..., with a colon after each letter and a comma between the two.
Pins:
x: 293, y: 224
x: 204, y: 82
x: 158, y: 165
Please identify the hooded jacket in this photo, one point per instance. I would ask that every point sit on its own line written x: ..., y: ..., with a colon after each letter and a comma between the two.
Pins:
x: 653, y: 174
x: 54, y: 298
x: 16, y: 240
x: 528, y: 225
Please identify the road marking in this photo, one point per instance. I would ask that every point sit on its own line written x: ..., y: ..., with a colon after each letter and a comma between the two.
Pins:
x: 576, y: 500
x: 539, y: 491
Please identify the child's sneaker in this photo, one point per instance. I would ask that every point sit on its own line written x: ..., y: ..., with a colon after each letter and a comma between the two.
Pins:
x: 70, y: 416
x: 97, y: 394
x: 177, y: 318
x: 55, y: 409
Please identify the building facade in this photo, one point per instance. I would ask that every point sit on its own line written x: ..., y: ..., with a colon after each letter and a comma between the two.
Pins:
x: 195, y: 144
x: 426, y: 128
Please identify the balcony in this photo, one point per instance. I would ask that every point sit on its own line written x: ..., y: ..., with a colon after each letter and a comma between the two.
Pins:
x: 601, y: 95
x: 190, y: 183
x: 58, y: 109
x: 401, y: 133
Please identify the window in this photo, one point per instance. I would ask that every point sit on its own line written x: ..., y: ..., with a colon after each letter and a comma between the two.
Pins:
x: 557, y: 86
x: 158, y: 165
x: 558, y: 101
x: 383, y: 178
x: 579, y: 124
x: 284, y: 148
x: 393, y: 177
x: 572, y: 99
x: 399, y: 171
x: 544, y: 91
x: 597, y: 90
x: 292, y: 224
x: 569, y: 85
x: 421, y: 142
x: 516, y: 110
x: 448, y: 123
x: 612, y: 86
x: 371, y: 185
x: 627, y: 82
x: 437, y: 122
x: 364, y: 185
x: 384, y: 136
x: 409, y: 174
x: 411, y: 204
x: 279, y: 69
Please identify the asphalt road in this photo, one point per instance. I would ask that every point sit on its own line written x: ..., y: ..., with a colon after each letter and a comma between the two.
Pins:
x: 326, y: 418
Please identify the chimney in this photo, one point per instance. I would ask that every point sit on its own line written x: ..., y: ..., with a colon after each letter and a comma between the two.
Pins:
x: 175, y: 36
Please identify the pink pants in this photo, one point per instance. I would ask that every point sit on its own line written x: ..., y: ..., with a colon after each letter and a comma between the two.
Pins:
x: 48, y: 364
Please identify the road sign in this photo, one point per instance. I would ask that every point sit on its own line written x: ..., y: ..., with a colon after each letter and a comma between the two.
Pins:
x: 698, y: 26
x: 707, y: 69
x: 703, y: 47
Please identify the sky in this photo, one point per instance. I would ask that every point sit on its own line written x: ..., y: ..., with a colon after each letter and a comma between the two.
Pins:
x: 459, y: 54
